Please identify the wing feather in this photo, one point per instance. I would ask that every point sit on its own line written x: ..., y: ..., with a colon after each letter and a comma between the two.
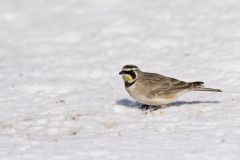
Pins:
x: 159, y: 84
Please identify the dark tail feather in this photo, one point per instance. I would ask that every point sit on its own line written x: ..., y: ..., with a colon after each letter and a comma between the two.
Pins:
x: 206, y: 89
x: 198, y: 86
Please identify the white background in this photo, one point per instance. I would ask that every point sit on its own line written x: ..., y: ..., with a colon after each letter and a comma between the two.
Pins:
x: 61, y: 97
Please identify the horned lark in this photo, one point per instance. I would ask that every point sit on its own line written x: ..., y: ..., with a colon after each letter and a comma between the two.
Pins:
x: 151, y: 89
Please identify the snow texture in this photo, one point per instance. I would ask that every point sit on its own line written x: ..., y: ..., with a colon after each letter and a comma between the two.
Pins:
x: 61, y: 97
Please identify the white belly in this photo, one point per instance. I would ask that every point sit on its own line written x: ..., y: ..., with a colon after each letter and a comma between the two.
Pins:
x: 143, y: 99
x: 152, y: 101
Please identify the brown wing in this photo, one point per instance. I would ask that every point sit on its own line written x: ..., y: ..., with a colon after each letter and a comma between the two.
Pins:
x: 158, y: 84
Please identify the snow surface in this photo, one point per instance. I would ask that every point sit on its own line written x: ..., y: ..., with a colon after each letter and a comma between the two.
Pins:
x: 61, y: 97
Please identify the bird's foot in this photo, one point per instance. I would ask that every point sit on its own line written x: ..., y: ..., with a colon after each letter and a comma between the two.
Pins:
x: 154, y: 108
x: 144, y: 107
x: 149, y: 108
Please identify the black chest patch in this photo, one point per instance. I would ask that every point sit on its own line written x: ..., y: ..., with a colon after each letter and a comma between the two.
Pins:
x: 127, y: 84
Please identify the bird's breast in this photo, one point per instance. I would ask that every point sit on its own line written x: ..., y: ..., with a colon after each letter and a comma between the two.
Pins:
x: 142, y: 97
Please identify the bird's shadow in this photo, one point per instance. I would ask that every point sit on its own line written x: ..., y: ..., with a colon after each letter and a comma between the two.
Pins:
x: 132, y: 104
x: 180, y: 103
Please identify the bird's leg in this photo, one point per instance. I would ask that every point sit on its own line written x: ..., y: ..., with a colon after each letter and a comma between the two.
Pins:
x: 144, y: 106
x: 158, y: 107
x: 155, y: 108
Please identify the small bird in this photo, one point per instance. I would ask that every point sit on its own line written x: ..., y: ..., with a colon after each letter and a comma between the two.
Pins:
x: 151, y: 89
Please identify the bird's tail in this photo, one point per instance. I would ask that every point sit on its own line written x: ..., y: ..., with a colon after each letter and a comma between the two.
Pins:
x: 198, y: 86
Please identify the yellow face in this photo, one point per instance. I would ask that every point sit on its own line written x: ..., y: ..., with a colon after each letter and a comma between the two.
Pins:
x: 127, y: 78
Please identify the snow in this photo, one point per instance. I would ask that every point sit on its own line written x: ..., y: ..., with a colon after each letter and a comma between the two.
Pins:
x: 62, y: 98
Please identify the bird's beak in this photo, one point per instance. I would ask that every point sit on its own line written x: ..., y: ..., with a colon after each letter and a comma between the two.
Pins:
x: 121, y: 72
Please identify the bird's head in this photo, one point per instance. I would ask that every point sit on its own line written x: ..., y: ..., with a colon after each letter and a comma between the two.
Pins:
x: 130, y: 73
